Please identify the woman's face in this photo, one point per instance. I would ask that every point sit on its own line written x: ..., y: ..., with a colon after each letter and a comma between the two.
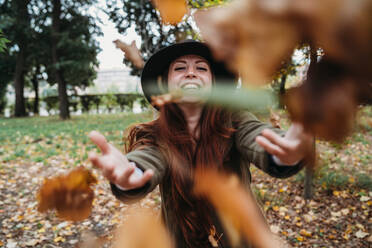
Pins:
x: 190, y: 73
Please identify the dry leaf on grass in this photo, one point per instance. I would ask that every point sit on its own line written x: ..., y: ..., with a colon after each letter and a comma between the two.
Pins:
x: 236, y: 207
x: 132, y: 53
x: 69, y: 194
x: 171, y: 11
x: 143, y: 229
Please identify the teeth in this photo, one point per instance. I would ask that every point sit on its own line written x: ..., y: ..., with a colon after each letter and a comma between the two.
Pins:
x: 190, y: 86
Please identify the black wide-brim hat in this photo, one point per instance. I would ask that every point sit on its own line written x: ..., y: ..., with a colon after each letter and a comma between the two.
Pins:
x: 154, y: 69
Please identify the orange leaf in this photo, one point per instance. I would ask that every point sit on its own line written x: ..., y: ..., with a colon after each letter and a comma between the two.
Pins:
x: 236, y: 207
x: 171, y: 11
x: 69, y: 194
x: 142, y: 222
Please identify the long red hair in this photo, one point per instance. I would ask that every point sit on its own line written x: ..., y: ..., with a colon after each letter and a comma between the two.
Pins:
x: 184, y: 153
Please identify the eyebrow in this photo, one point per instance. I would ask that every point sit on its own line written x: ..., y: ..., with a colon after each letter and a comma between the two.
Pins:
x: 183, y: 61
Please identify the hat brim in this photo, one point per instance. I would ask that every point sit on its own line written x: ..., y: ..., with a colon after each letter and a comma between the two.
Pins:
x: 160, y: 61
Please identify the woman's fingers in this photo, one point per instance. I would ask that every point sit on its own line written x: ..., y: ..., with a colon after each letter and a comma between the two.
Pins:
x: 130, y: 180
x: 270, y: 147
x: 276, y: 139
x: 93, y: 157
x: 139, y: 182
x: 100, y: 141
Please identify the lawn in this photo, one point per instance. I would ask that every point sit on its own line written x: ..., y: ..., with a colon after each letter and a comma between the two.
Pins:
x: 31, y: 149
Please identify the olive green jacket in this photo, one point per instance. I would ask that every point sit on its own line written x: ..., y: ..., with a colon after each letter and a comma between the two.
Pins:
x: 243, y: 151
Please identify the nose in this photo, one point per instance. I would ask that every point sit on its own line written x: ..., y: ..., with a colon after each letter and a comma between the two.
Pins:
x: 190, y: 73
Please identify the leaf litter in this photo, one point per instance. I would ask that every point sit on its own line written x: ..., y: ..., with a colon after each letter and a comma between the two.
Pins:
x: 281, y: 200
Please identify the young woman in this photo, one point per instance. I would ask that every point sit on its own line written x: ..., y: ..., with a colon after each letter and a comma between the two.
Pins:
x: 189, y: 134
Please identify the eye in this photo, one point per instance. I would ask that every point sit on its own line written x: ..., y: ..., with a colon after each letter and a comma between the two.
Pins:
x: 202, y: 68
x: 179, y: 68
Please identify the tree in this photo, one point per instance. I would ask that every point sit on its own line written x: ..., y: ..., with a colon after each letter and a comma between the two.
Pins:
x: 73, y: 49
x: 141, y: 15
x: 3, y: 42
x: 16, y: 24
x: 4, y: 73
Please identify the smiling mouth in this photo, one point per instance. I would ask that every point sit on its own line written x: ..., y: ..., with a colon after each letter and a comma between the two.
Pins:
x: 190, y: 86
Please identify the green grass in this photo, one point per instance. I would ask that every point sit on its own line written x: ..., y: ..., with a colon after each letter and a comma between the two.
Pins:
x: 48, y: 128
x: 37, y: 139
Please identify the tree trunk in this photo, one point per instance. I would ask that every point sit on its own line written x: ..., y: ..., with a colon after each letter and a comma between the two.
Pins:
x: 62, y: 87
x: 35, y: 84
x: 308, y: 184
x: 309, y: 172
x: 22, y: 20
x: 20, y: 108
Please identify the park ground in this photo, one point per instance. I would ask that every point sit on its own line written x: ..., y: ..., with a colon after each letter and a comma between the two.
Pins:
x: 339, y: 215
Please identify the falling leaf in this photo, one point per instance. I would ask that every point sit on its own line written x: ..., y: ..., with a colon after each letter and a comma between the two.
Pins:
x: 324, y: 107
x: 89, y: 240
x: 171, y: 11
x: 236, y: 206
x: 213, y: 240
x: 69, y: 194
x: 252, y: 41
x: 140, y: 222
x: 161, y: 100
x: 132, y: 53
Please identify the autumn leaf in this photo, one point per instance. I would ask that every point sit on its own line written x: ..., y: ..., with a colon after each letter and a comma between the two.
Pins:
x: 171, y: 11
x: 142, y: 222
x: 236, y: 207
x: 252, y: 41
x: 131, y: 53
x: 325, y: 104
x: 69, y: 194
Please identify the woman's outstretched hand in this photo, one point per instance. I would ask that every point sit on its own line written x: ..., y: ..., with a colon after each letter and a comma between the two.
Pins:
x: 291, y: 148
x: 115, y: 165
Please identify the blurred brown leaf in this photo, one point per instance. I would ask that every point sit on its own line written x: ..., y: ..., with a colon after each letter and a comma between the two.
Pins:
x: 236, y: 207
x: 142, y: 229
x: 160, y: 100
x: 131, y: 53
x: 255, y: 36
x: 69, y: 194
x: 251, y: 40
x: 325, y: 103
x: 171, y: 11
x: 90, y: 240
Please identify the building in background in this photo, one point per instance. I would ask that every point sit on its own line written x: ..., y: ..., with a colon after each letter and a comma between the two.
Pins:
x: 108, y: 81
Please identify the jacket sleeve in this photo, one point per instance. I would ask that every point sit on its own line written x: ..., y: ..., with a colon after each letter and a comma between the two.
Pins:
x: 145, y: 158
x: 247, y: 129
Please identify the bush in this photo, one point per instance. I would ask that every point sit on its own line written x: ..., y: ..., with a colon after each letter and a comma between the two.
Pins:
x: 363, y: 181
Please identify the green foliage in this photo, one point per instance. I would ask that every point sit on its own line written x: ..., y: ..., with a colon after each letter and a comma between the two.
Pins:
x: 3, y: 42
x: 109, y: 101
x: 363, y: 181
x: 51, y: 103
x: 28, y: 24
x: 334, y: 180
